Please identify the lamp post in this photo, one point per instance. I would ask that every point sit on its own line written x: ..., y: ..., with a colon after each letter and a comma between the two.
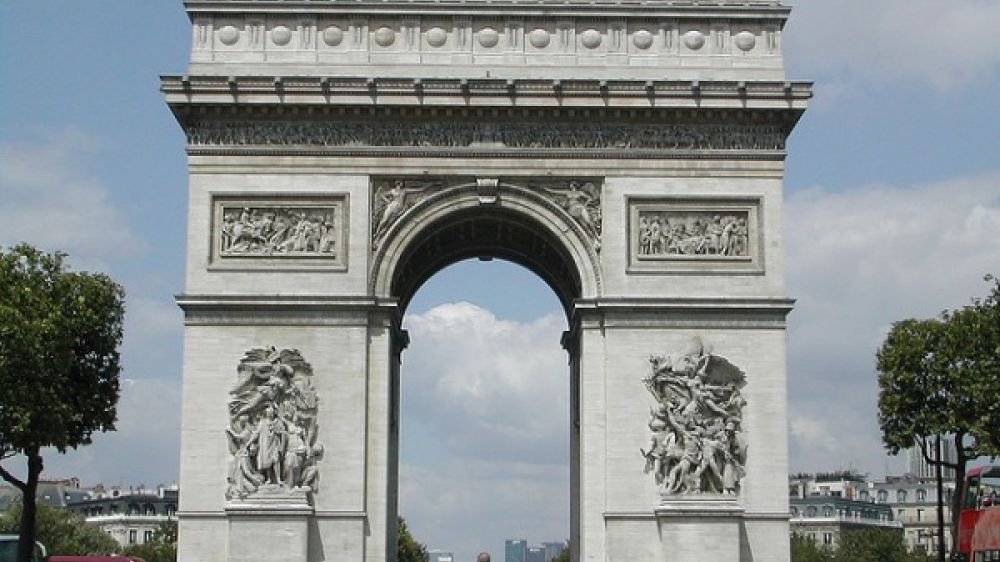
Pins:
x: 940, y: 499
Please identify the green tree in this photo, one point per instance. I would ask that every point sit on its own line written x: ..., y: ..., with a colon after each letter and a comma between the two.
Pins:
x: 59, y: 363
x: 61, y: 531
x: 941, y: 377
x: 163, y: 547
x: 875, y: 545
x: 805, y: 549
x: 407, y: 548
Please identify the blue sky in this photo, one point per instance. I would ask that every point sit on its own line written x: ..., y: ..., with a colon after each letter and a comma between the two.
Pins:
x: 892, y: 210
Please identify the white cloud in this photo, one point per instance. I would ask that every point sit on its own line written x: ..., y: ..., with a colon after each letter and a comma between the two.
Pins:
x: 48, y: 198
x: 859, y: 260
x: 484, y: 430
x: 945, y: 44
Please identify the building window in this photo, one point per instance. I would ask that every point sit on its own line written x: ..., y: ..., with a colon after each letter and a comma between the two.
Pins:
x: 863, y: 495
x: 147, y: 536
x: 920, y: 515
x: 827, y: 511
x: 883, y: 496
x: 921, y: 495
x: 811, y: 512
x: 901, y: 496
x: 827, y: 538
x: 795, y: 511
x: 133, y: 536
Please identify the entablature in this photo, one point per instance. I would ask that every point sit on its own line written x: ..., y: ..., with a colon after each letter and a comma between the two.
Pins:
x: 542, y: 118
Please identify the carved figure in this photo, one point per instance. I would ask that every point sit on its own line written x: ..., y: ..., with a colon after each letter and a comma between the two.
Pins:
x: 268, y: 231
x: 272, y: 433
x: 692, y: 233
x: 696, y: 445
x: 582, y: 201
x: 391, y: 201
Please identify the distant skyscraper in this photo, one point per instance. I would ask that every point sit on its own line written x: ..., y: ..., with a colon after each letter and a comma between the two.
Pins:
x: 535, y: 554
x: 918, y: 466
x: 440, y: 556
x: 515, y: 550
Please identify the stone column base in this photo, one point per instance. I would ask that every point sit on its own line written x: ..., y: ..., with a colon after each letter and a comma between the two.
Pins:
x: 270, y: 526
x: 700, y: 528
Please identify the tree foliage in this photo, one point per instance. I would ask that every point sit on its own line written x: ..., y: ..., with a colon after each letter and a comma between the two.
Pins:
x: 59, y: 363
x: 408, y: 549
x: 857, y: 546
x: 61, y: 531
x: 163, y: 547
x: 941, y: 376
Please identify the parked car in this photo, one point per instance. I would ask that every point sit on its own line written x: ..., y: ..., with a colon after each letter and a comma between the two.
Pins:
x: 8, y: 549
x: 94, y: 559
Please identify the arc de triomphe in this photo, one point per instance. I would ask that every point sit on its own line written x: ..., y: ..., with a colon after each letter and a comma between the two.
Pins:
x: 631, y: 153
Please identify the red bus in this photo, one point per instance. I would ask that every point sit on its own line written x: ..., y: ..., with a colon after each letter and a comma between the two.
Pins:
x: 979, y: 519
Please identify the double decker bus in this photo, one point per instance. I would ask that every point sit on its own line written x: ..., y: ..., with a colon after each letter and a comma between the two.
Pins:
x: 979, y: 519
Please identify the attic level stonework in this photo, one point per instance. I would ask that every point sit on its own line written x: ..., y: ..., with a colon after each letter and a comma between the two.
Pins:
x: 513, y: 39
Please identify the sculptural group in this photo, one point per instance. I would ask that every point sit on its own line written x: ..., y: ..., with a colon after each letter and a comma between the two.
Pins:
x: 272, y: 433
x: 693, y: 234
x: 697, y: 444
x: 277, y: 231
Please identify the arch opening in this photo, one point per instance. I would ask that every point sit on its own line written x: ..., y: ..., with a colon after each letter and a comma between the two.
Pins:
x: 484, y: 431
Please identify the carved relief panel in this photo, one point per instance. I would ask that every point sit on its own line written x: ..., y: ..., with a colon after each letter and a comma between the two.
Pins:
x: 695, y: 235
x: 272, y: 433
x: 697, y: 444
x: 279, y: 232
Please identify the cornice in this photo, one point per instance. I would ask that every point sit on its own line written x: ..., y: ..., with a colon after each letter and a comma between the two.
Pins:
x: 749, y: 9
x: 190, y: 90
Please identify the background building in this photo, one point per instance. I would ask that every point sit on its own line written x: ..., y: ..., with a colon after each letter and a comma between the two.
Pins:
x: 918, y: 466
x: 440, y: 556
x: 824, y: 519
x: 53, y: 493
x: 914, y: 504
x: 130, y: 516
x: 515, y: 550
x: 553, y: 549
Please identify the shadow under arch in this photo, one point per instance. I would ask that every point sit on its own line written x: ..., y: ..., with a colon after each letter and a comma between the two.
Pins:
x: 505, y: 221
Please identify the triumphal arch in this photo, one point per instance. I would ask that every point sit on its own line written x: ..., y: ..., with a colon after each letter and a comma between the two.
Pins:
x: 629, y: 152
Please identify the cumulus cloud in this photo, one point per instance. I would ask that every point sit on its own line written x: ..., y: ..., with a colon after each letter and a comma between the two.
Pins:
x: 945, y: 44
x: 859, y: 260
x: 485, y: 440
x: 48, y: 198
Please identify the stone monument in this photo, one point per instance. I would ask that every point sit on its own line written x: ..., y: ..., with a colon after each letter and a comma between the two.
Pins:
x: 630, y: 153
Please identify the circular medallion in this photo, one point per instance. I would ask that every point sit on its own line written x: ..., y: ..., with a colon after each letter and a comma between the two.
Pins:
x: 333, y: 36
x: 694, y: 39
x: 436, y: 36
x: 591, y: 38
x: 539, y: 38
x: 488, y: 37
x: 229, y: 35
x: 642, y: 39
x: 385, y: 36
x: 281, y: 35
x: 745, y: 40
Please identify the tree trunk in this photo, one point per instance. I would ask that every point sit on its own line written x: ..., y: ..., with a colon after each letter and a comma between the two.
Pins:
x: 26, y: 541
x: 958, y: 496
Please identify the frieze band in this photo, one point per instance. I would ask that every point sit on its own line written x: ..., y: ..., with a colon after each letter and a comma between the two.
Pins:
x: 476, y: 134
